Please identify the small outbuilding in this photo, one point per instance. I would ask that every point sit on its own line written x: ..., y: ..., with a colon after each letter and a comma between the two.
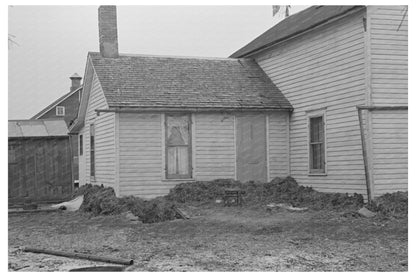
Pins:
x: 39, y: 161
x: 146, y: 123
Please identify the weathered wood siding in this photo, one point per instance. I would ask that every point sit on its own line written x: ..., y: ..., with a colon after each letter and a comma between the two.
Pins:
x: 324, y: 69
x: 142, y: 150
x: 388, y: 52
x: 390, y: 148
x: 141, y: 168
x: 388, y: 27
x: 278, y: 144
x: 214, y: 146
x: 39, y: 170
x: 104, y: 139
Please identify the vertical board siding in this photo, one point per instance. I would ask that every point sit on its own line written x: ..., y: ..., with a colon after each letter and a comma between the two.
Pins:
x: 324, y: 69
x: 214, y: 146
x: 390, y: 151
x: 278, y: 145
x: 41, y: 170
x: 104, y: 139
x: 389, y: 55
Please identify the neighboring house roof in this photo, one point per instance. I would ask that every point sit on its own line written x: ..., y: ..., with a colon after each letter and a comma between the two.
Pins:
x: 37, y: 128
x: 141, y: 81
x: 55, y: 103
x: 293, y: 25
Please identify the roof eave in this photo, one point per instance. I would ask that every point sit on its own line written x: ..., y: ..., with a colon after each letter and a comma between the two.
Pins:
x: 237, y: 55
x: 138, y: 109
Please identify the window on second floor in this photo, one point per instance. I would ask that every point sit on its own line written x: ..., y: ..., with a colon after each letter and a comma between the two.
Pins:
x: 60, y: 110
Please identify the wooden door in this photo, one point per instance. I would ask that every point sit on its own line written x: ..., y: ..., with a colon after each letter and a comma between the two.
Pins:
x: 251, y: 147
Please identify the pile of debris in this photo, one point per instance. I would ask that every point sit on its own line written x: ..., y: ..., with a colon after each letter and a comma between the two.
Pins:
x: 278, y: 190
x: 99, y: 200
x: 390, y: 205
x: 202, y: 191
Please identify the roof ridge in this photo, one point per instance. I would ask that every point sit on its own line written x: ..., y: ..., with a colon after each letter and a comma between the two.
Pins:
x: 175, y: 56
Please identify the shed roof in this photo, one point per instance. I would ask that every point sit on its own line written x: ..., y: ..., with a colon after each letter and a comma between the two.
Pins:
x: 293, y: 25
x: 143, y: 81
x: 37, y: 128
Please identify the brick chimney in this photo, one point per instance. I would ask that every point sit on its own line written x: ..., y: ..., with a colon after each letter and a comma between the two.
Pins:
x: 107, y: 29
x: 75, y: 81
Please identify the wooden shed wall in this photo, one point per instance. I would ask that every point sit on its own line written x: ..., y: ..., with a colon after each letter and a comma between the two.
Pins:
x: 278, y: 144
x: 39, y: 170
x: 214, y: 146
x: 142, y: 150
x: 104, y: 124
x: 324, y: 69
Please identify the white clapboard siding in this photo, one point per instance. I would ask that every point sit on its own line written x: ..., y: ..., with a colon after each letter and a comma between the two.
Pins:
x: 141, y: 169
x: 81, y: 160
x: 141, y: 150
x: 388, y: 49
x: 104, y: 139
x: 390, y: 151
x: 214, y: 146
x: 278, y: 144
x: 388, y: 52
x: 324, y: 68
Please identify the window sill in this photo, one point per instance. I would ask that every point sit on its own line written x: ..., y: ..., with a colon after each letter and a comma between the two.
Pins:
x: 178, y: 180
x: 317, y: 174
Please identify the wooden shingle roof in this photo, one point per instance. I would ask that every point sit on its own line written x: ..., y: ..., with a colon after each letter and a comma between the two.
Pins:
x: 293, y: 25
x: 141, y: 81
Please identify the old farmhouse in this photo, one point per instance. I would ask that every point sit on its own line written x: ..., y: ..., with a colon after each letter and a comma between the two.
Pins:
x: 321, y: 96
x: 327, y: 61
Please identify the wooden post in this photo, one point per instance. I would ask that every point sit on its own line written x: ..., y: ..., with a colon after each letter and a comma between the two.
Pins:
x: 363, y: 141
x: 364, y: 149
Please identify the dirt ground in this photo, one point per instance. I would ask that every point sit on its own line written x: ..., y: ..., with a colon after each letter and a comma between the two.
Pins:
x: 216, y: 238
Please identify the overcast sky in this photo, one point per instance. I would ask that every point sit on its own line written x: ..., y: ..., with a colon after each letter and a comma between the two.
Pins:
x: 53, y: 41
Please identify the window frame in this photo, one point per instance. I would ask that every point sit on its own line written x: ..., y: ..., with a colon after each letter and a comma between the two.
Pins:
x: 57, y: 109
x: 166, y: 146
x: 310, y: 115
x: 92, y: 151
x: 81, y: 145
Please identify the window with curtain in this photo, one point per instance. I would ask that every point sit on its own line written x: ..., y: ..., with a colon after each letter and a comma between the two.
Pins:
x: 316, y: 145
x: 178, y: 146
